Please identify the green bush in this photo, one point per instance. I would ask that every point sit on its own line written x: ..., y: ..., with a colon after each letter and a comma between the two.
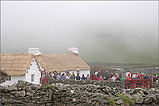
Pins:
x: 111, y: 101
x: 44, y: 85
x: 125, y: 99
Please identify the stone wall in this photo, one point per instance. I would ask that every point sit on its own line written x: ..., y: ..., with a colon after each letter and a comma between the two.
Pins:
x: 75, y: 94
x: 156, y: 85
x: 120, y: 84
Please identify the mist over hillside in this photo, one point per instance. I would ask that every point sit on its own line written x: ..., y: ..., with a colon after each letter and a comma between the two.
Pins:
x: 112, y: 32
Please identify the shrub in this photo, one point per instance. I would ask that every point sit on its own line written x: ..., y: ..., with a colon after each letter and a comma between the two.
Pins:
x: 44, y: 85
x: 111, y: 101
x: 125, y: 99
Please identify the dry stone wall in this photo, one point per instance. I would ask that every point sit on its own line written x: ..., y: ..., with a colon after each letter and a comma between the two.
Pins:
x: 75, y: 94
x: 120, y: 84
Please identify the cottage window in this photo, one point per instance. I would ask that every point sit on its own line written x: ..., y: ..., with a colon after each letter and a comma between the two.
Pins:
x: 32, y: 77
x: 8, y: 78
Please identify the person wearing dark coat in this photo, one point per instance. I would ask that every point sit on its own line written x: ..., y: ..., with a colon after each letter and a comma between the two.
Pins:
x: 146, y: 77
x: 78, y: 77
x: 106, y: 75
x: 98, y: 74
x: 154, y: 78
x: 83, y: 78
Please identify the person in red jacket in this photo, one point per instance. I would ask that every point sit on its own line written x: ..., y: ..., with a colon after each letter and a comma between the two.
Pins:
x: 100, y: 78
x: 127, y: 78
x: 141, y: 76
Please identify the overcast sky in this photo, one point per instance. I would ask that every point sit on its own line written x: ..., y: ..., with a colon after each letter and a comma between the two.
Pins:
x: 105, y: 31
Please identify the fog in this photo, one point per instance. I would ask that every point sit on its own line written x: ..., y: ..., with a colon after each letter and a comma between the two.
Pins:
x: 114, y: 32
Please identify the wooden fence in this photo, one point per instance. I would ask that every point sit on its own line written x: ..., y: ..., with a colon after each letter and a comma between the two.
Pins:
x: 44, y: 80
x: 139, y: 83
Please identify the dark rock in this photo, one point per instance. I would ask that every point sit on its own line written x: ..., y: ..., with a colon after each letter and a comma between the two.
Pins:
x: 48, y: 104
x: 157, y: 96
x: 129, y: 96
x: 29, y: 94
x: 13, y: 87
x: 50, y: 94
x: 150, y: 98
x: 145, y: 92
x: 20, y: 93
x: 119, y: 102
x: 139, y: 98
x: 18, y: 101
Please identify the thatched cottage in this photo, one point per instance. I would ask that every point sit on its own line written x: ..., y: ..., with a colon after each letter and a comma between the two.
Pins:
x: 28, y: 66
x: 20, y: 66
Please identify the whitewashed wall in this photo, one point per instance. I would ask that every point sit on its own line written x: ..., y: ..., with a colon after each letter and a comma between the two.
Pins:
x: 14, y: 79
x: 40, y: 67
x: 33, y: 69
x: 85, y: 72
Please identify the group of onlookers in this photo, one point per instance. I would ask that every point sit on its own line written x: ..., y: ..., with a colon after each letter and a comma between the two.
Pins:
x: 110, y: 76
x: 107, y: 76
x: 66, y: 75
x: 131, y: 76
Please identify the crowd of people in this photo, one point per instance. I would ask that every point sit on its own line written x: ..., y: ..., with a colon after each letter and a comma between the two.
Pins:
x: 66, y: 75
x: 132, y: 76
x: 110, y: 76
x: 107, y: 76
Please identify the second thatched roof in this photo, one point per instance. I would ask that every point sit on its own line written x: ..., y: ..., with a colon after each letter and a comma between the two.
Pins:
x: 61, y: 62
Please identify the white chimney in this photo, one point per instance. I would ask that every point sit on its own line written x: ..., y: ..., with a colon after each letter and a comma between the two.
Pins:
x: 73, y: 50
x: 34, y: 51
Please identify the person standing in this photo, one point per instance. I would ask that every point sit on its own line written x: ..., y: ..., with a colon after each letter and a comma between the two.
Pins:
x: 100, y: 79
x: 113, y: 78
x: 63, y: 76
x: 73, y: 76
x: 154, y: 78
x: 43, y: 75
x: 141, y: 76
x: 83, y: 78
x: 106, y: 75
x: 98, y: 74
x: 128, y: 78
x: 88, y: 77
x: 58, y: 76
x: 146, y: 77
x: 78, y: 77
x: 122, y: 78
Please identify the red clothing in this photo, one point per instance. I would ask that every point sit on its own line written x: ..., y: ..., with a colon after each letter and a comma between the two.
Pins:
x: 100, y: 79
x: 91, y: 76
x: 95, y: 78
x: 128, y: 78
x: 140, y: 76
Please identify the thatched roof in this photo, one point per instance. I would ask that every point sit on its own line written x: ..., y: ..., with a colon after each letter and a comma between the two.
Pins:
x: 61, y: 62
x: 16, y: 64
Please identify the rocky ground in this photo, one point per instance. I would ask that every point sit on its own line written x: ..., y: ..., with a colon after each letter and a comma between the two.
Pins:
x: 60, y: 94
